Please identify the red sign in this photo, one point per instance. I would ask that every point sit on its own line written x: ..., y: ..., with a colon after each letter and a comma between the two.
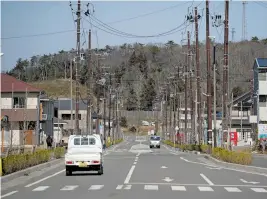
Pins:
x: 233, y: 136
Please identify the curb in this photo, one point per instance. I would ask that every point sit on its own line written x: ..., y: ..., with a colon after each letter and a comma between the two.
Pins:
x: 237, y: 166
x: 185, y: 151
x: 29, y: 170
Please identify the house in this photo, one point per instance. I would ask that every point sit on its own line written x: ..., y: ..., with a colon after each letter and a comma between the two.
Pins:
x: 49, y: 124
x: 20, y: 108
x: 63, y: 109
x: 260, y: 96
x: 241, y: 108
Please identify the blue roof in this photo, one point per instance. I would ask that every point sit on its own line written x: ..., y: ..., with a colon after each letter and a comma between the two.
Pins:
x: 261, y: 62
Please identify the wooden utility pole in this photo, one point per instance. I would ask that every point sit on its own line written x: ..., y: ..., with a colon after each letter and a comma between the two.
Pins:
x: 187, y: 66
x: 191, y: 87
x: 209, y: 82
x: 109, y: 107
x: 98, y: 99
x: 88, y: 117
x: 71, y: 96
x: 225, y: 72
x: 199, y: 119
x: 77, y: 129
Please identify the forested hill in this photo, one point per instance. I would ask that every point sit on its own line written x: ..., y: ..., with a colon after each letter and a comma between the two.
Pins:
x: 138, y: 70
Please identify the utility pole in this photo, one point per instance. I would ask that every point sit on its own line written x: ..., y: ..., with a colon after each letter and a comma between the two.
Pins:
x: 233, y: 34
x: 174, y: 109
x: 71, y: 97
x: 186, y: 82
x: 199, y: 106
x: 77, y: 129
x: 209, y: 82
x: 244, y: 21
x: 117, y: 109
x: 104, y: 119
x: 214, y: 97
x: 109, y: 108
x: 98, y: 100
x: 225, y: 72
x: 191, y: 90
x: 88, y: 116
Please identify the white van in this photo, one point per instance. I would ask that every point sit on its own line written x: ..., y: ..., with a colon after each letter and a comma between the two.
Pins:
x: 84, y: 154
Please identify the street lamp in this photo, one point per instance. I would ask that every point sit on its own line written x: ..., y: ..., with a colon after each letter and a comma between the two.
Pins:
x: 214, y: 92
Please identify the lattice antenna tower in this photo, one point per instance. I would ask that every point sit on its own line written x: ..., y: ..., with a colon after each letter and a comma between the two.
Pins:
x: 244, y: 21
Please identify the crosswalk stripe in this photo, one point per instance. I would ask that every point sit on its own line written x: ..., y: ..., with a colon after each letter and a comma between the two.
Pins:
x: 178, y: 188
x: 151, y: 187
x: 41, y: 188
x: 128, y: 187
x: 205, y: 189
x: 119, y: 187
x: 96, y: 187
x: 69, y: 188
x: 261, y: 190
x: 232, y: 189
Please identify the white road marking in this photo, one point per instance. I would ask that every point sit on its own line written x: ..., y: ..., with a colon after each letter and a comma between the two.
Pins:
x: 41, y: 188
x: 260, y: 190
x: 69, y: 188
x: 128, y: 187
x: 134, y: 162
x: 43, y: 179
x: 8, y: 194
x: 206, y: 179
x: 128, y: 177
x: 174, y: 184
x: 96, y: 187
x: 232, y: 189
x: 151, y: 187
x: 205, y: 189
x: 178, y: 188
x: 119, y: 187
x: 231, y: 169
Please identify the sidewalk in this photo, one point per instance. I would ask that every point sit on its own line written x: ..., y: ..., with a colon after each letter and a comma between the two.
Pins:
x: 259, y: 160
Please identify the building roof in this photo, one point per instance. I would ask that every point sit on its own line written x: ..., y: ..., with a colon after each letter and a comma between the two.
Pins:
x: 11, y: 84
x: 65, y: 104
x: 245, y: 97
x: 261, y: 62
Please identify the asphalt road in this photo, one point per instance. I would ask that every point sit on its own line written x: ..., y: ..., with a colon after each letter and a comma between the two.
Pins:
x: 259, y: 160
x: 133, y: 170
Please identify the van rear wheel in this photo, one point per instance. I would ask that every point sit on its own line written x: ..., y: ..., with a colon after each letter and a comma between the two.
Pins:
x: 101, y: 170
x: 68, y: 172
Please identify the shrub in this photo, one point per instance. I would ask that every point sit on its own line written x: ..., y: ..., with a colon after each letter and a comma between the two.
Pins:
x: 123, y: 122
x: 59, y: 152
x: 232, y: 156
x: 204, y: 148
x: 17, y: 162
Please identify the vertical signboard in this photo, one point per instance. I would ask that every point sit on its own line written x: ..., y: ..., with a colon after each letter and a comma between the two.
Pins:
x: 262, y: 131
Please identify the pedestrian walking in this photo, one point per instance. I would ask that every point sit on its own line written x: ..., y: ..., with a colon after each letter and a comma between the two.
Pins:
x: 49, y: 142
x: 263, y: 145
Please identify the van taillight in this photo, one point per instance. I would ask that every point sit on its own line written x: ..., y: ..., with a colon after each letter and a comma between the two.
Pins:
x: 69, y: 162
x: 95, y: 162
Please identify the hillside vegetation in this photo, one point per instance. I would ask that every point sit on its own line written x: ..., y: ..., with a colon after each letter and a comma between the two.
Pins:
x: 138, y: 71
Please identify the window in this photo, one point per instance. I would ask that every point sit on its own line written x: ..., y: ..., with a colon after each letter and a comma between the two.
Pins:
x: 19, y: 102
x: 77, y: 141
x: 156, y: 138
x: 262, y: 98
x: 68, y: 116
x: 84, y: 141
x: 91, y: 141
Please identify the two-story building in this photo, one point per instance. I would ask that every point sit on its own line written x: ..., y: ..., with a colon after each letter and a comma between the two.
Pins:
x: 20, y: 104
x: 260, y: 96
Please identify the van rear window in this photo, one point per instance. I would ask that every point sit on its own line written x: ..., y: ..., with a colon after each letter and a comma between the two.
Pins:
x: 84, y: 141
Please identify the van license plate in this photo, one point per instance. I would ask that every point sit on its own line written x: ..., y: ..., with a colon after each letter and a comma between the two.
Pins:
x: 82, y: 164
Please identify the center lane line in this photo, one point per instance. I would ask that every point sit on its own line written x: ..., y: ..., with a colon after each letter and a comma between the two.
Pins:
x: 206, y: 179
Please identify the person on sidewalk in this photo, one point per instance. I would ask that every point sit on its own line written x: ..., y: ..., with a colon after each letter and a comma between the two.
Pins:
x: 49, y: 142
x: 263, y: 145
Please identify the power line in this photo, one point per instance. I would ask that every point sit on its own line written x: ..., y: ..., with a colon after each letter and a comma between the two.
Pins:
x: 150, y: 13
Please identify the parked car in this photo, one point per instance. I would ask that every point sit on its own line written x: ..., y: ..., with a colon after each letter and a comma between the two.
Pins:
x: 85, y: 153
